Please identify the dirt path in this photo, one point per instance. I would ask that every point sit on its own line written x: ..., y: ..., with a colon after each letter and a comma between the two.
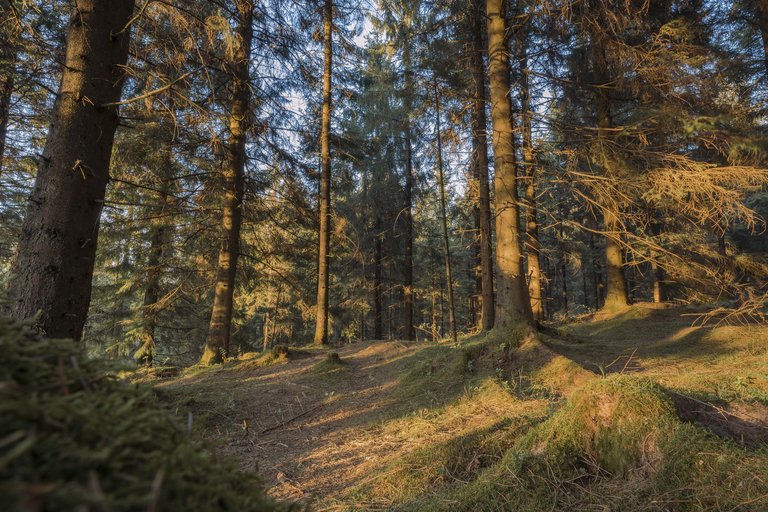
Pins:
x: 310, y: 430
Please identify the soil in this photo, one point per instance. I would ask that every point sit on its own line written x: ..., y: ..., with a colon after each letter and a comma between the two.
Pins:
x: 311, y: 433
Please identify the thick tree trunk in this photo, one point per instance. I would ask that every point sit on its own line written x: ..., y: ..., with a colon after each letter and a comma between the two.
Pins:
x: 529, y: 165
x: 323, y: 278
x: 219, y: 331
x: 513, y: 304
x: 54, y: 266
x: 409, y: 331
x: 443, y: 210
x: 616, y: 285
x: 480, y: 155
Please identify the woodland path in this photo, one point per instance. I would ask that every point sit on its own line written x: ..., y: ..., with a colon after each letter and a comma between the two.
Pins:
x: 311, y: 426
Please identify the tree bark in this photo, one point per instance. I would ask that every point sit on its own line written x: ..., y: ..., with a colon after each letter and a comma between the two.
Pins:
x: 8, y: 49
x: 219, y: 330
x: 532, y: 245
x: 323, y: 278
x: 409, y: 331
x: 158, y: 240
x: 446, y: 239
x: 480, y: 155
x: 513, y: 304
x: 378, y: 298
x: 6, y: 92
x: 53, y: 268
x: 616, y: 285
x: 762, y: 19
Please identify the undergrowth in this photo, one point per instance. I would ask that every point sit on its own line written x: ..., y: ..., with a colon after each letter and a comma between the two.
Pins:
x: 74, y: 437
x: 615, y: 443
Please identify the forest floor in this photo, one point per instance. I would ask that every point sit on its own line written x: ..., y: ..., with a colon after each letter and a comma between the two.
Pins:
x: 420, y: 426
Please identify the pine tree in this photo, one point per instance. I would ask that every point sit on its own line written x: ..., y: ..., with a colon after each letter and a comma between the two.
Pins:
x: 55, y: 258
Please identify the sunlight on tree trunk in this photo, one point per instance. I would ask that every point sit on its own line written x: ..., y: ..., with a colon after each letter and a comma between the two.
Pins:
x: 512, y: 301
x: 480, y: 155
x: 219, y: 331
x: 323, y: 278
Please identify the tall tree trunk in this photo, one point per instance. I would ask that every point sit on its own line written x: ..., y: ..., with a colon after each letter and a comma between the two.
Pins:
x: 219, y: 331
x: 446, y: 239
x: 762, y: 19
x: 321, y: 325
x: 616, y: 285
x: 513, y: 304
x: 8, y: 50
x: 409, y: 331
x: 378, y: 298
x: 6, y: 92
x: 158, y: 240
x: 480, y: 155
x: 533, y: 245
x: 54, y: 265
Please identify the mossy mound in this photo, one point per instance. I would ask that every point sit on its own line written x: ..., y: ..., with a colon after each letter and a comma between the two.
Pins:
x: 74, y: 437
x: 618, y: 444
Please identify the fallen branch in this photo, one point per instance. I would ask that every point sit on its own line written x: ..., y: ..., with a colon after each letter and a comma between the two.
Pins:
x: 286, y: 422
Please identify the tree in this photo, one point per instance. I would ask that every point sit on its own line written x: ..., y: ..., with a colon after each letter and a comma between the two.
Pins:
x: 532, y: 244
x: 512, y: 301
x: 55, y: 257
x: 444, y: 217
x: 321, y: 326
x: 616, y: 285
x: 233, y: 177
x: 8, y: 33
x: 480, y: 165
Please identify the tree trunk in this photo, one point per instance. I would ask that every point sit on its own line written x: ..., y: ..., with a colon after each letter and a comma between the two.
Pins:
x: 513, y: 304
x: 6, y: 91
x: 378, y: 299
x: 657, y: 271
x: 616, y: 286
x: 8, y: 49
x: 446, y: 239
x: 531, y: 224
x: 762, y: 19
x: 564, y: 276
x: 158, y: 239
x: 219, y: 331
x: 480, y: 155
x: 409, y: 332
x: 321, y: 325
x: 54, y: 265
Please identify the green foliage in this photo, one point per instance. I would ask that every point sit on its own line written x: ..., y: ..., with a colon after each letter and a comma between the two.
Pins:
x: 72, y: 436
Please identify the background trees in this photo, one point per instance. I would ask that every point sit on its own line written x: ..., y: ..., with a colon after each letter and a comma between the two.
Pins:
x: 628, y: 149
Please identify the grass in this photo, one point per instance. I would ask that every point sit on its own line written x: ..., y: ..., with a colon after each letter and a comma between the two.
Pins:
x: 637, y: 411
x: 616, y: 442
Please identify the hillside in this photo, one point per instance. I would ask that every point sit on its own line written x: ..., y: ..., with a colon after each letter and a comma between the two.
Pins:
x: 637, y: 412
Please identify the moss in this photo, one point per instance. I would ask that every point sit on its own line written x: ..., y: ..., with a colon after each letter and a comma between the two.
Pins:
x: 617, y: 444
x: 72, y: 436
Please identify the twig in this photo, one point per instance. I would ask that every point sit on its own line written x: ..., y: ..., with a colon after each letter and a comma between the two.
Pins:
x: 286, y: 422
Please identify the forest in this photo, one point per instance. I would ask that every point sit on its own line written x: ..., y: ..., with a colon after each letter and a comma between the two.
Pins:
x: 364, y: 255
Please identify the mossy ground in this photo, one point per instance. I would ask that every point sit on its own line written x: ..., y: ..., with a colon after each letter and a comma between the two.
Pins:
x: 635, y: 412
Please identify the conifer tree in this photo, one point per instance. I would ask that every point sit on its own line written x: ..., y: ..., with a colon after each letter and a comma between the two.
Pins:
x: 55, y: 257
